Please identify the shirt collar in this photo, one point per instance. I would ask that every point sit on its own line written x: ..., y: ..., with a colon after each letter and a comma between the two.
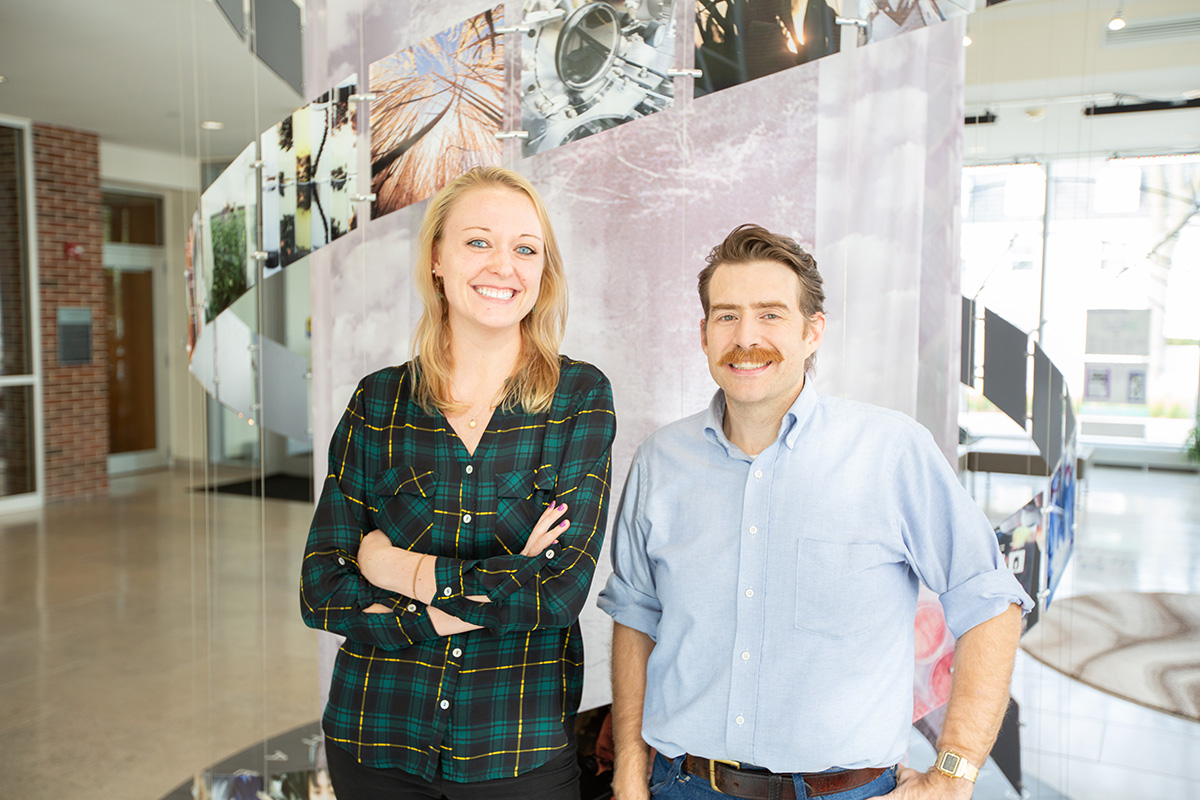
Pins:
x: 793, y: 422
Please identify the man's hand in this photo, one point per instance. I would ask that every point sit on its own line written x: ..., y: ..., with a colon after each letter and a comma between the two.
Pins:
x: 626, y: 788
x: 931, y: 785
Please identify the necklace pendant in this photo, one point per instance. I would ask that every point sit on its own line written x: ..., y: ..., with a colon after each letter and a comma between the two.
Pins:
x: 471, y: 423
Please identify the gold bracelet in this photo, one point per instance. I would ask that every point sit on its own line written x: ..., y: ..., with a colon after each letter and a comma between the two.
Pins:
x: 415, y: 572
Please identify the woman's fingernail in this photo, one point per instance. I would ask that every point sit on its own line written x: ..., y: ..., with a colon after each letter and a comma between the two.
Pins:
x: 564, y: 523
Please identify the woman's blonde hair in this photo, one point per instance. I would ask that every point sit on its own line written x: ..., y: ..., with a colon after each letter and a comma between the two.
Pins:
x: 535, y: 377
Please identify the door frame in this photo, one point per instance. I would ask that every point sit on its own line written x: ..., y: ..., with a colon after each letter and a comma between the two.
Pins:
x: 33, y: 379
x: 152, y: 258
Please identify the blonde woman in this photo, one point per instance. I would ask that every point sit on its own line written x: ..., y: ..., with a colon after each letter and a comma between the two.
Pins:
x: 458, y: 529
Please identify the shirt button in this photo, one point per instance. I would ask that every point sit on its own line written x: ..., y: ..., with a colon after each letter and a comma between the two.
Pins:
x: 753, y: 529
x: 466, y: 517
x: 745, y: 656
x: 444, y: 704
x: 341, y: 561
x: 758, y: 473
x: 446, y: 591
x: 749, y: 593
x: 549, y: 554
x: 457, y: 652
x: 470, y: 469
x: 412, y: 607
x: 740, y: 719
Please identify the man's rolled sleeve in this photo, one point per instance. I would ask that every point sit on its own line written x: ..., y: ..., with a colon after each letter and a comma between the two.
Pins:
x: 953, y: 547
x: 629, y: 597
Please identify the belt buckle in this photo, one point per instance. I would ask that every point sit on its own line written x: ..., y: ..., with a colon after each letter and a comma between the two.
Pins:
x: 712, y: 771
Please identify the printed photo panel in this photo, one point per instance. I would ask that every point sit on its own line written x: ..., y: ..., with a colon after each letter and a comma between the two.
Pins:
x: 740, y: 40
x: 273, y: 191
x: 229, y: 225
x: 437, y: 109
x: 587, y: 67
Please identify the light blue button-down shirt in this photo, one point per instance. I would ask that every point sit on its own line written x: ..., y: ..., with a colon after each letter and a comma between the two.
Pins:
x: 781, y: 589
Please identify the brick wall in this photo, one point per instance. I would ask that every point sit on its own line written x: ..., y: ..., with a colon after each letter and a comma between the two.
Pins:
x: 75, y: 398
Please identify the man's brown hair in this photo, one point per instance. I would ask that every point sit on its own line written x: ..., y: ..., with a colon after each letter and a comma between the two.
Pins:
x: 751, y: 242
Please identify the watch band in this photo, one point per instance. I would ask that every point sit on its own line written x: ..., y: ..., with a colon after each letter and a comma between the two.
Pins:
x: 955, y: 765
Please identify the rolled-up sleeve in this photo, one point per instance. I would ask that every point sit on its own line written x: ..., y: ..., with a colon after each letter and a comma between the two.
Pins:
x: 547, y: 590
x: 333, y: 592
x: 951, y: 544
x: 629, y: 597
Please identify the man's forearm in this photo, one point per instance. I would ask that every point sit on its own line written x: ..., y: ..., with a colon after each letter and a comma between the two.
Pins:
x: 631, y: 651
x: 979, y: 690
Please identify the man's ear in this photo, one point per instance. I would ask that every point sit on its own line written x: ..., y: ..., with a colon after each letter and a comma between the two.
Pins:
x: 816, y: 330
x: 704, y: 335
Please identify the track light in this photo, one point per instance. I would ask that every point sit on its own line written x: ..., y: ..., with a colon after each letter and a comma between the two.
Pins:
x: 1118, y: 20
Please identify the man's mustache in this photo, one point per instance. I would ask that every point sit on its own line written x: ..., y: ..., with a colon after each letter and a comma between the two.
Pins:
x: 756, y: 356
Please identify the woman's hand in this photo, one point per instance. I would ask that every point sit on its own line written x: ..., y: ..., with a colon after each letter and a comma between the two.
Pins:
x: 547, y: 530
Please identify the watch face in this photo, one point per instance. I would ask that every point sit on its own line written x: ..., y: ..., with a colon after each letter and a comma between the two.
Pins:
x: 950, y: 762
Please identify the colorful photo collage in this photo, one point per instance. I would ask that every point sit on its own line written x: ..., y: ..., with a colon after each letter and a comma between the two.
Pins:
x: 228, y: 229
x: 309, y: 166
x: 1060, y: 524
x: 1022, y: 538
x: 587, y: 67
x: 437, y: 108
x: 740, y: 40
x: 934, y: 656
x: 309, y: 784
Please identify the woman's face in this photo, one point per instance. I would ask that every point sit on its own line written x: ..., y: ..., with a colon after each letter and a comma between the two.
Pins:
x: 490, y: 259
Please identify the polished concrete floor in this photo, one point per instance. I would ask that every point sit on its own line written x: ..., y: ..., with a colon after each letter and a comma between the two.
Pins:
x: 145, y: 636
x: 153, y: 633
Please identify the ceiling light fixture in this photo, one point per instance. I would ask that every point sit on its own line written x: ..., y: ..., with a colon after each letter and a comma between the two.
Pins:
x: 3, y: 79
x: 1118, y: 20
x: 967, y: 40
x: 212, y: 125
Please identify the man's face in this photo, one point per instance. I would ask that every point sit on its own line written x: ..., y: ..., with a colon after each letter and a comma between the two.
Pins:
x: 755, y: 336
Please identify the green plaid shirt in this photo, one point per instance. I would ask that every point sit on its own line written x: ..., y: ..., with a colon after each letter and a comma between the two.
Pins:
x: 489, y: 703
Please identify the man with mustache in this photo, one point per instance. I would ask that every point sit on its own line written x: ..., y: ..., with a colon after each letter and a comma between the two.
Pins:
x: 766, y: 562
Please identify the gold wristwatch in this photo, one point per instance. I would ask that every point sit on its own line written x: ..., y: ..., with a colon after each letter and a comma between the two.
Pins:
x: 955, y: 765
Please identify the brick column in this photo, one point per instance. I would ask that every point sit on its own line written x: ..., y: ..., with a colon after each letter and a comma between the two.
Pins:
x: 75, y: 398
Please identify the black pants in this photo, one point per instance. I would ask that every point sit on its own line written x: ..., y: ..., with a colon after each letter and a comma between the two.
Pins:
x: 557, y: 779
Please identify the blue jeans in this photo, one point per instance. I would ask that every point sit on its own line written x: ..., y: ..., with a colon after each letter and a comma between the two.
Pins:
x: 669, y: 782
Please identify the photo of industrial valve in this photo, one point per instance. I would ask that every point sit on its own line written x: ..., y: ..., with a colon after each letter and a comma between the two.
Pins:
x: 590, y: 66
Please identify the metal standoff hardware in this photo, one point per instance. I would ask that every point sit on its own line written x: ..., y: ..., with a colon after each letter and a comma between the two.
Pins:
x: 260, y: 255
x: 515, y: 29
x: 512, y: 135
x: 854, y: 21
x: 685, y: 73
x: 256, y: 164
x: 358, y: 198
x: 359, y: 98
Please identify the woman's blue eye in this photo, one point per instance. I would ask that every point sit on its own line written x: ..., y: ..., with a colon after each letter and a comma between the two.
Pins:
x: 477, y: 243
x: 526, y: 250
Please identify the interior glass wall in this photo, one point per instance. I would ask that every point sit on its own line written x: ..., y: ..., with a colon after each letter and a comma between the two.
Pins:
x: 1115, y: 301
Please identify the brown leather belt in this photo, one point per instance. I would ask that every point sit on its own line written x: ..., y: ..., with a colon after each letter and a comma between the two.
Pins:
x: 728, y: 778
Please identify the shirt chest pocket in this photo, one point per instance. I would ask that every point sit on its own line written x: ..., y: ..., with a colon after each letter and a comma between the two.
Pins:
x: 838, y: 587
x: 403, y: 505
x: 521, y: 497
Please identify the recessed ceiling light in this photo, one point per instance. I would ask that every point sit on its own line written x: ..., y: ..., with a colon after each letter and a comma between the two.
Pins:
x: 967, y: 40
x: 3, y: 79
x: 212, y: 125
x: 1118, y: 20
